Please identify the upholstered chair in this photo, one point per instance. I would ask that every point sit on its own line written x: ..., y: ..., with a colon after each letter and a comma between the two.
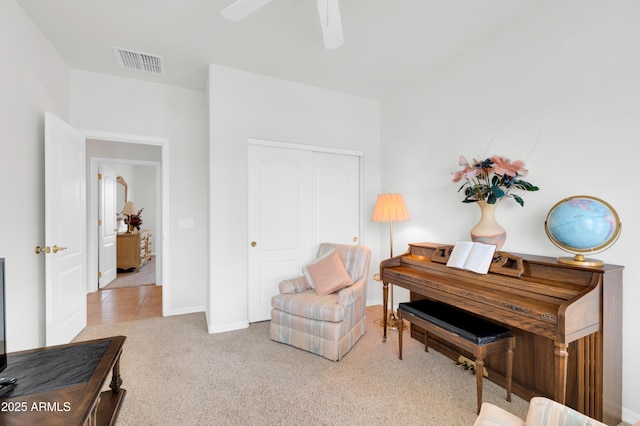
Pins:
x: 542, y: 412
x: 324, y: 310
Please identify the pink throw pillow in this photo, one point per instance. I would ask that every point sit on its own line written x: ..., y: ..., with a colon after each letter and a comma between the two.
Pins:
x: 327, y: 274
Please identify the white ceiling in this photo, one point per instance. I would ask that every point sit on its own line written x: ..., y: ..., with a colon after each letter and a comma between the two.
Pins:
x: 387, y: 42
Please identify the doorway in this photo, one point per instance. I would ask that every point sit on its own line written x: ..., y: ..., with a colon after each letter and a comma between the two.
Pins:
x: 127, y: 259
x: 66, y: 310
x: 131, y: 150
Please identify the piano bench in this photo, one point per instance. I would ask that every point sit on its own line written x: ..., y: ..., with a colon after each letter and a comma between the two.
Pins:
x: 462, y: 329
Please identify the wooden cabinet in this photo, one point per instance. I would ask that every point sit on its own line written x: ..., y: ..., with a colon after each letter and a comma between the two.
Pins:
x: 134, y: 250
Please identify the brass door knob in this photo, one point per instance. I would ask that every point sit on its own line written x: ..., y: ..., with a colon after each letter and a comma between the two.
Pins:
x: 253, y: 244
x: 57, y: 249
x: 355, y: 239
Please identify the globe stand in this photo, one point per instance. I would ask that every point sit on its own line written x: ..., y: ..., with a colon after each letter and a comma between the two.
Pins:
x: 580, y: 260
x: 582, y: 224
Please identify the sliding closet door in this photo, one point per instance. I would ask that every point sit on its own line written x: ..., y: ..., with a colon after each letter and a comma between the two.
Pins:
x: 279, y: 221
x: 336, y: 198
x: 298, y: 198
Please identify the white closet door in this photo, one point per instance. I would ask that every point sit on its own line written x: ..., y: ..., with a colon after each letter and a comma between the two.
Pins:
x: 336, y: 203
x: 279, y: 221
x: 297, y: 199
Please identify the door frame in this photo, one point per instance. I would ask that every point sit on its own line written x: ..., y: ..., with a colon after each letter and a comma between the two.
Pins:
x: 162, y: 176
x: 92, y: 211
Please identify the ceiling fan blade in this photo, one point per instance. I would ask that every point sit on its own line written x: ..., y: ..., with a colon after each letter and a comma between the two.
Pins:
x: 331, y: 23
x: 242, y: 8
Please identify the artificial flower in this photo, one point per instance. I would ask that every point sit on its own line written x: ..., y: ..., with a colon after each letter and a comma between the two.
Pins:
x: 492, y: 179
x: 135, y: 220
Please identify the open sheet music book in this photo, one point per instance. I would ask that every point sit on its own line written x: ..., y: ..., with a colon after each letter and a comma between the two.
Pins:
x: 475, y: 257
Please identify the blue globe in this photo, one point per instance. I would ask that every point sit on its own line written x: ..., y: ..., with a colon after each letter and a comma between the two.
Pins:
x: 582, y: 224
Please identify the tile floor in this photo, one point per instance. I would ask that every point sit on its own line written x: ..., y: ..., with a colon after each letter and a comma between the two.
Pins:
x: 124, y: 304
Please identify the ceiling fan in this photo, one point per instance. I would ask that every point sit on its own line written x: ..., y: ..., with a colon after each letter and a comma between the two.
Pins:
x: 329, y: 11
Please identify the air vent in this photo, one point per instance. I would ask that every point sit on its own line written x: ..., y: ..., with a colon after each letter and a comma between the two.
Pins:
x: 138, y: 61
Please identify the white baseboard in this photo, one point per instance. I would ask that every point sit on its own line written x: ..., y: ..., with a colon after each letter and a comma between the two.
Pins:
x: 190, y: 310
x: 630, y: 417
x: 223, y: 328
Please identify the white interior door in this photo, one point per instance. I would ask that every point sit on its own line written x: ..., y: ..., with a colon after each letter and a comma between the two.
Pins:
x: 65, y: 231
x: 279, y: 222
x: 336, y: 198
x: 107, y: 225
x: 297, y: 199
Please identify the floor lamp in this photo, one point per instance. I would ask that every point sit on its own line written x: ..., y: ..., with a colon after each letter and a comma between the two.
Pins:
x: 390, y: 208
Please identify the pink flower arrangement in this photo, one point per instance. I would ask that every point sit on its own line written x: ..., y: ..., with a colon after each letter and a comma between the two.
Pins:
x: 492, y: 179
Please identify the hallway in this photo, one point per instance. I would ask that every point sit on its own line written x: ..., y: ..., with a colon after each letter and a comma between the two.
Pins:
x: 124, y: 304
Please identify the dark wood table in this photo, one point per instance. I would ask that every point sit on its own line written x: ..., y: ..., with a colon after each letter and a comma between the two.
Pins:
x: 61, y: 385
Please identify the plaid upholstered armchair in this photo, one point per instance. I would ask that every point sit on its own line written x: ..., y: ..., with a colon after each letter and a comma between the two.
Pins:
x: 324, y: 310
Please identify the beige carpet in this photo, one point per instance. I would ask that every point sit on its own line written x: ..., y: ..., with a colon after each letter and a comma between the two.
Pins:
x: 131, y: 278
x: 177, y: 373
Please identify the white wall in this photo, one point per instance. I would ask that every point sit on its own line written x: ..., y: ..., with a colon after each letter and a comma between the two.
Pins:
x: 112, y: 104
x: 34, y: 79
x: 144, y: 179
x: 559, y: 89
x: 244, y: 105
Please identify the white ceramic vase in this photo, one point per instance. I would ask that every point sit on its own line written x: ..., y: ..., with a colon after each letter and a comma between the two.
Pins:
x: 487, y: 230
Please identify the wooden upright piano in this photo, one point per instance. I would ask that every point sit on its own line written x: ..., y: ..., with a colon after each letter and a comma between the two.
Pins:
x: 567, y: 321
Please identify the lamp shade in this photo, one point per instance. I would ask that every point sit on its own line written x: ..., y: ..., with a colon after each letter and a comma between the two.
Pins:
x: 129, y: 208
x: 390, y: 208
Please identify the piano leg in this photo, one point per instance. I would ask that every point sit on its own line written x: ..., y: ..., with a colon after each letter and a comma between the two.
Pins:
x: 560, y: 355
x: 400, y: 337
x: 385, y: 299
x: 479, y: 377
x: 512, y: 344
